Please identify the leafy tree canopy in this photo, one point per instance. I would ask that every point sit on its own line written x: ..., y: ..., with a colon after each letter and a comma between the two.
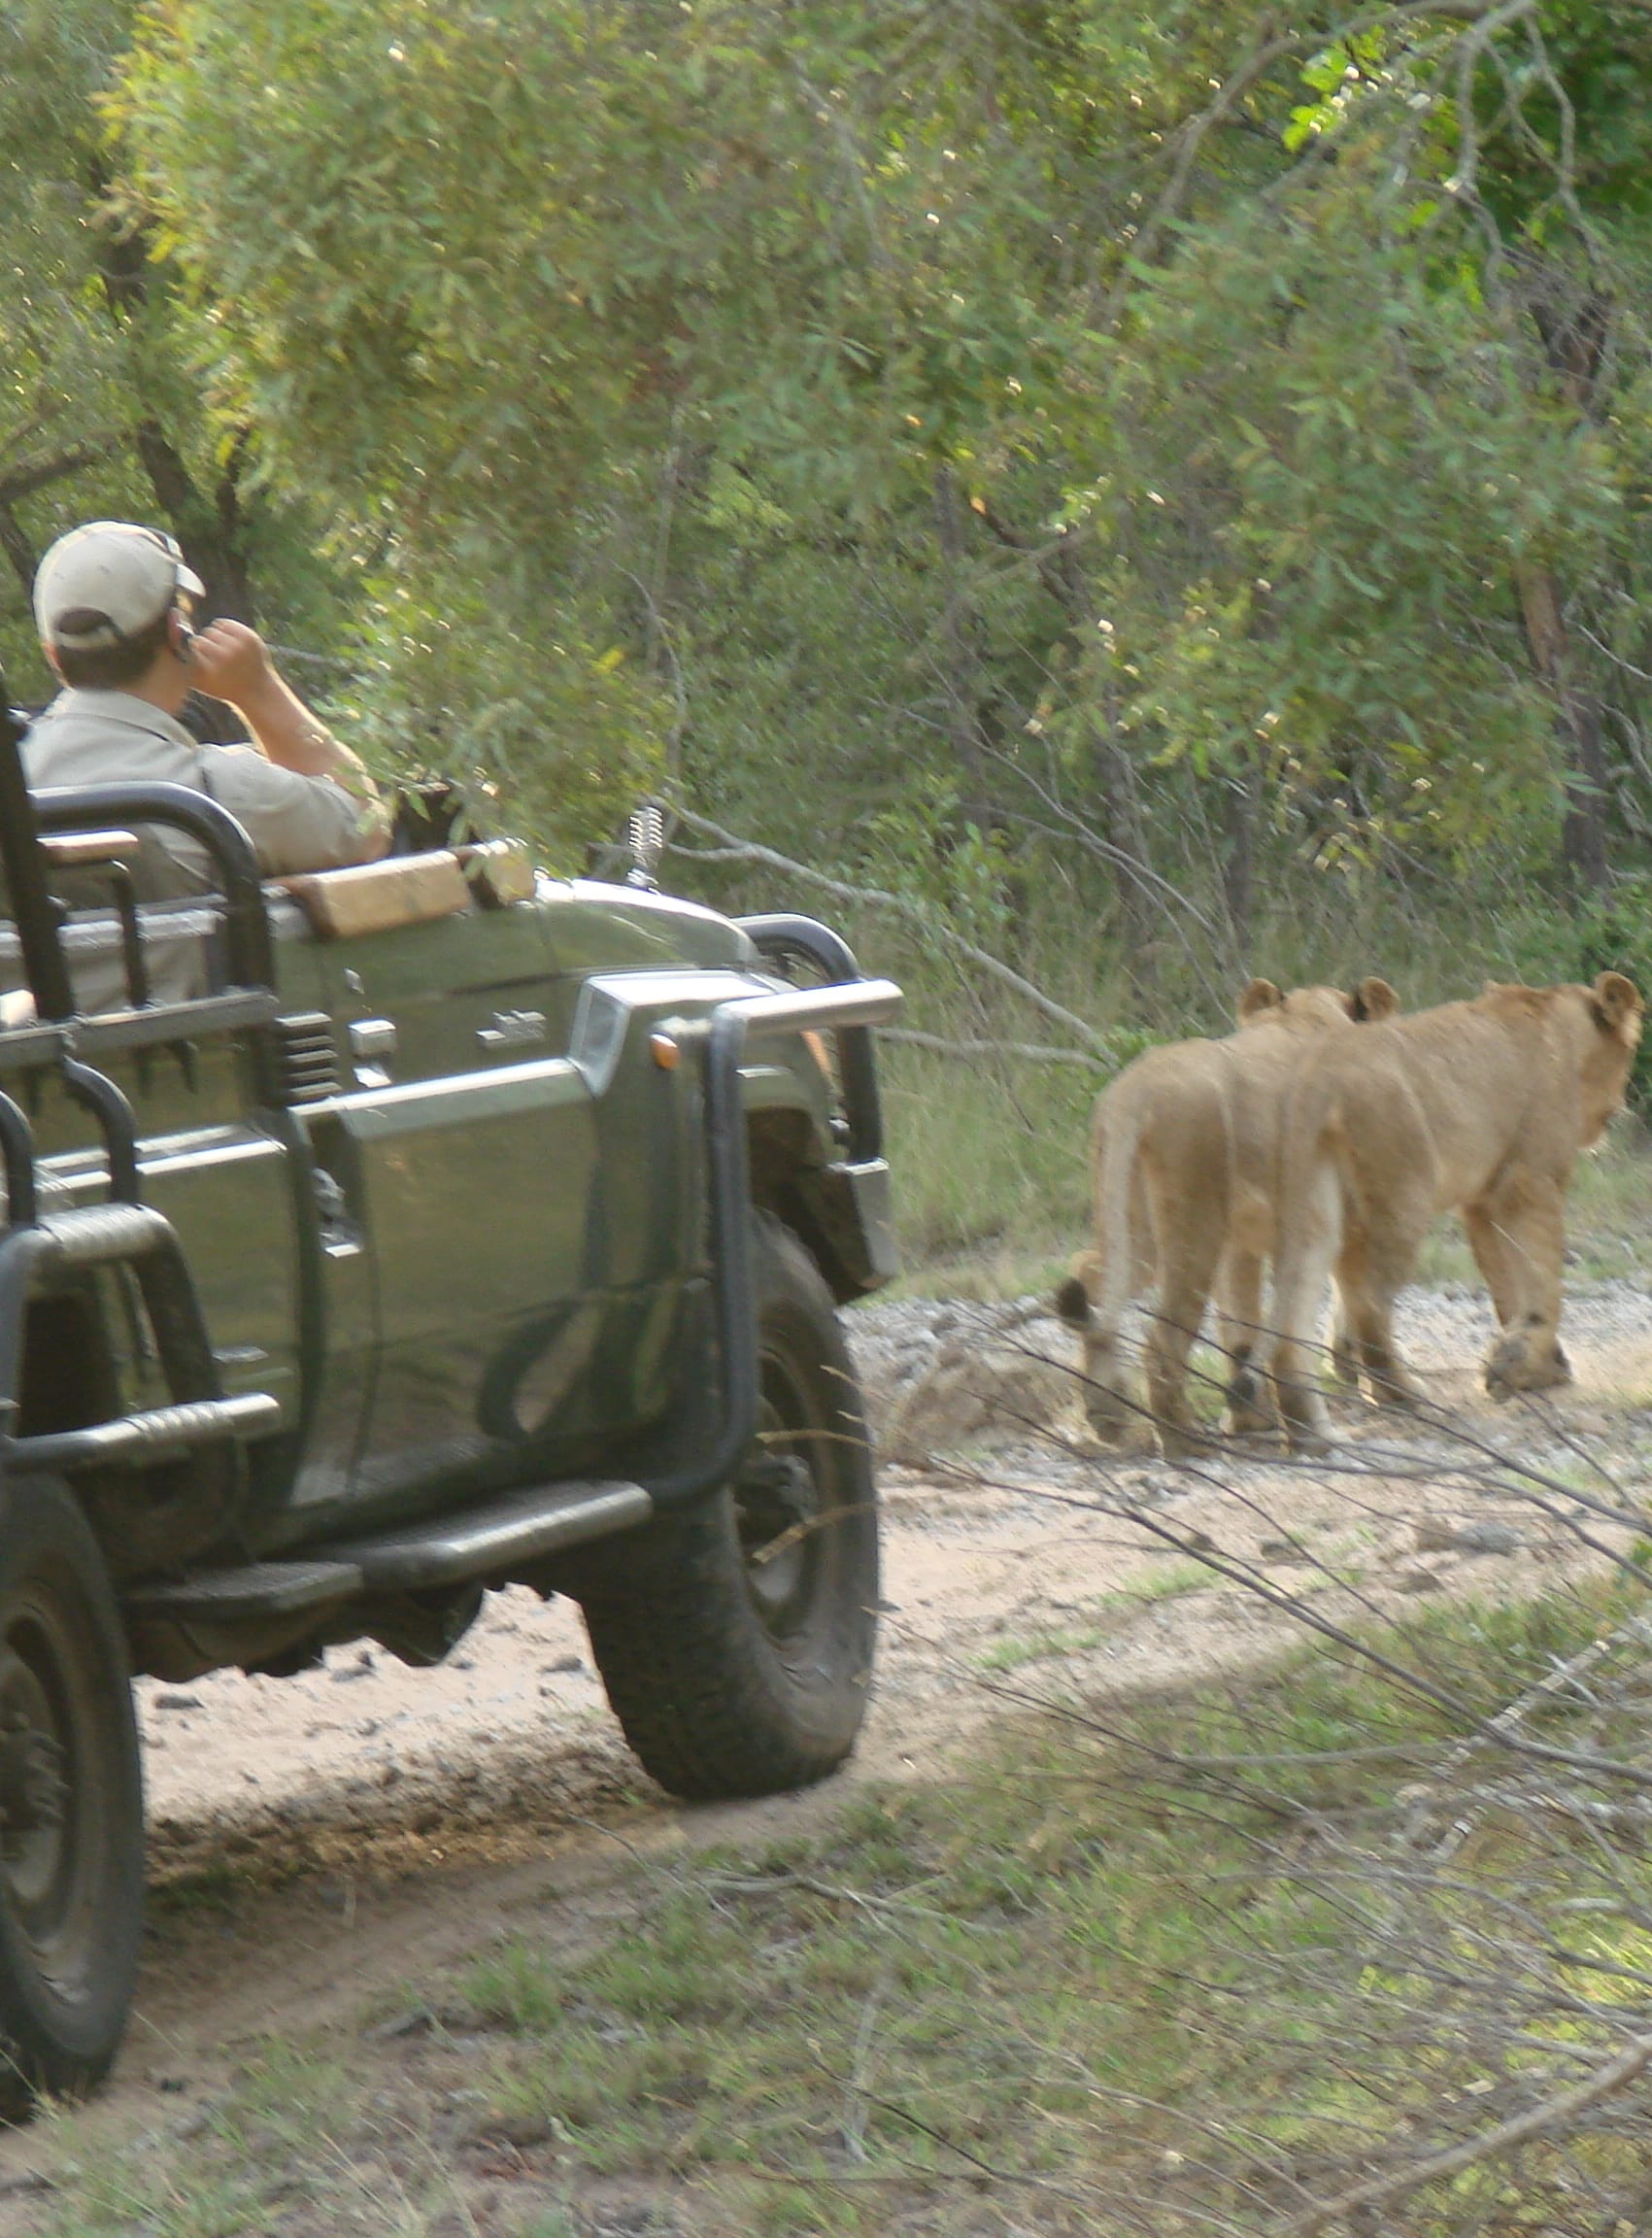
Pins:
x: 1127, y: 422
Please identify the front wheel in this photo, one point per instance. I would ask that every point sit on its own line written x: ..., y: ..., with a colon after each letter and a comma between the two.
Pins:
x: 738, y: 1648
x: 71, y: 1803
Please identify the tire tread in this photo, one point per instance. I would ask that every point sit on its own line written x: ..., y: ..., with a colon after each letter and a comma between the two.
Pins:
x: 686, y: 1663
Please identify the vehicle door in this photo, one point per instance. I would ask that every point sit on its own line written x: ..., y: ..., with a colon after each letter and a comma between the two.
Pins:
x: 461, y: 1151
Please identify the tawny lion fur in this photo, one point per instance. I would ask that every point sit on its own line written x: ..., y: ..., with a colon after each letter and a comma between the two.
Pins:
x: 1479, y: 1107
x: 1184, y: 1159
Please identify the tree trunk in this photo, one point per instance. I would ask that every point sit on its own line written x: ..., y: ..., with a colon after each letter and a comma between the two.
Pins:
x: 19, y: 550
x: 1574, y: 323
x: 1123, y: 828
x: 208, y: 530
x: 960, y: 658
x: 209, y: 526
x: 1577, y: 724
x: 1239, y: 817
x: 22, y: 482
x: 1117, y: 798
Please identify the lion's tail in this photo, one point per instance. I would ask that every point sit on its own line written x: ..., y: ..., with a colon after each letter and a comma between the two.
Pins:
x: 1102, y: 1279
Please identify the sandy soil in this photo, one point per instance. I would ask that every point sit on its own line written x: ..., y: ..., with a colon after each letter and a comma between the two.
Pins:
x: 320, y: 1842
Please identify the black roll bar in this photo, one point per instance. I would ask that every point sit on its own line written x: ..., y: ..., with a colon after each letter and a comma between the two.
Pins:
x: 857, y: 1005
x: 124, y: 891
x: 16, y: 1152
x: 96, y: 1092
x: 246, y: 926
x: 102, y: 1236
x: 24, y: 866
x: 778, y: 937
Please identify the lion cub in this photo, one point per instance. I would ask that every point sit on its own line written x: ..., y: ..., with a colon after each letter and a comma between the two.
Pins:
x: 1479, y: 1107
x: 1184, y: 1149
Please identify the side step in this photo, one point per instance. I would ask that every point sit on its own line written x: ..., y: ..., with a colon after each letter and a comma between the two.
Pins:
x: 160, y: 1435
x: 475, y: 1542
x: 483, y: 1542
x: 259, y: 1589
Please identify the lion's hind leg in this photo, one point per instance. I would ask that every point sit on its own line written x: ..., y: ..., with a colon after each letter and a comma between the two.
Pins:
x: 1308, y: 1252
x: 1368, y: 1282
x: 1111, y: 1405
x: 1186, y: 1271
x: 1521, y: 1236
x: 1104, y: 1281
x: 1239, y: 1304
x: 1344, y: 1351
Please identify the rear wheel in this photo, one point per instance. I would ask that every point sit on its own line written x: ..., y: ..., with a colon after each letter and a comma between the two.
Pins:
x: 71, y: 1803
x: 736, y: 1644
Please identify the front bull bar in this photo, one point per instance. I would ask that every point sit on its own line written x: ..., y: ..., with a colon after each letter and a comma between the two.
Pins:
x: 721, y: 1039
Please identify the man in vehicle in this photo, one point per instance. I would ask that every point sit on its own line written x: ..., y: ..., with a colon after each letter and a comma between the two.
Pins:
x: 111, y: 603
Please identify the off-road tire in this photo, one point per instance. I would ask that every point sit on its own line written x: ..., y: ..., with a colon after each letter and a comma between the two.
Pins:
x: 732, y: 1677
x: 71, y: 1787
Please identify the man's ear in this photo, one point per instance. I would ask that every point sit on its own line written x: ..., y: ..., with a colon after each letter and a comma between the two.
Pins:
x: 1259, y: 997
x: 50, y: 652
x: 1373, y: 1001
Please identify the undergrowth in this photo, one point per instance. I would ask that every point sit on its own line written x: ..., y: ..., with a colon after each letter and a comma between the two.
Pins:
x: 1185, y: 1967
x: 989, y: 1148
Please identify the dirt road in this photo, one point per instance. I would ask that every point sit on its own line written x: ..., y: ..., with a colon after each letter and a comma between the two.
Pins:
x: 321, y: 1841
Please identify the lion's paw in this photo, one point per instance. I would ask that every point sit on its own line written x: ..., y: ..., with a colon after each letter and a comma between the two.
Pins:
x: 1514, y: 1367
x: 1250, y: 1403
x: 1182, y: 1441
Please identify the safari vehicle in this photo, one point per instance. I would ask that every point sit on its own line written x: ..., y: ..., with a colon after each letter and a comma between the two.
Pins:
x: 382, y: 1236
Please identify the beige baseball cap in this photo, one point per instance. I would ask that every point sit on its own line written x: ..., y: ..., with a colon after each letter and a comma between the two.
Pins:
x: 102, y: 584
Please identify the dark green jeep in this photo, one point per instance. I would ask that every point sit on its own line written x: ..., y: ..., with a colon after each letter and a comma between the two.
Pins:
x: 385, y: 1237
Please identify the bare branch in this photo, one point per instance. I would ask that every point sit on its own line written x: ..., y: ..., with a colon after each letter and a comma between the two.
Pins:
x: 732, y: 849
x: 40, y: 473
x: 1553, y: 2114
x: 1030, y: 1052
x: 1268, y: 50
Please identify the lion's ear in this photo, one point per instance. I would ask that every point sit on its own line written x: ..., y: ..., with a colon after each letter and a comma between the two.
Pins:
x: 1259, y: 996
x: 1617, y: 1004
x: 1373, y: 1001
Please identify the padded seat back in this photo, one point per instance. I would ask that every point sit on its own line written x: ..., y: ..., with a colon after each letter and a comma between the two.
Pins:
x: 379, y: 896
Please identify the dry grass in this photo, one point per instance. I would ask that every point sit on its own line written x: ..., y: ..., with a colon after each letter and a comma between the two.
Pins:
x: 1184, y: 1968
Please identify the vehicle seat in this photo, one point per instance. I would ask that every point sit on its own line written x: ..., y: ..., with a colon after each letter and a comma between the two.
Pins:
x: 378, y: 897
x: 182, y: 956
x: 413, y: 888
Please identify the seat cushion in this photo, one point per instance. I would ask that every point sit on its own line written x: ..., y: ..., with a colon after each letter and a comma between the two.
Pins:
x: 378, y: 897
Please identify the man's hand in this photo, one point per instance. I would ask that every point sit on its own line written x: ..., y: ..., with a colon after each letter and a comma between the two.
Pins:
x: 230, y: 662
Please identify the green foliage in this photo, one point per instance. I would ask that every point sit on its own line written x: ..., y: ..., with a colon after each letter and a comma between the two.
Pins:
x: 1376, y: 474
x: 1134, y: 449
x: 547, y: 732
x: 1615, y: 934
x: 682, y: 309
x: 100, y: 411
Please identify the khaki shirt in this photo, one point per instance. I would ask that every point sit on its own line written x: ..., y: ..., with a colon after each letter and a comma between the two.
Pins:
x: 294, y: 822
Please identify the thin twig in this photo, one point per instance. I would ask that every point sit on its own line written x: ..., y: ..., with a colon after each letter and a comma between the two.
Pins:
x: 1030, y: 1052
x: 1630, y: 2062
x: 918, y: 913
